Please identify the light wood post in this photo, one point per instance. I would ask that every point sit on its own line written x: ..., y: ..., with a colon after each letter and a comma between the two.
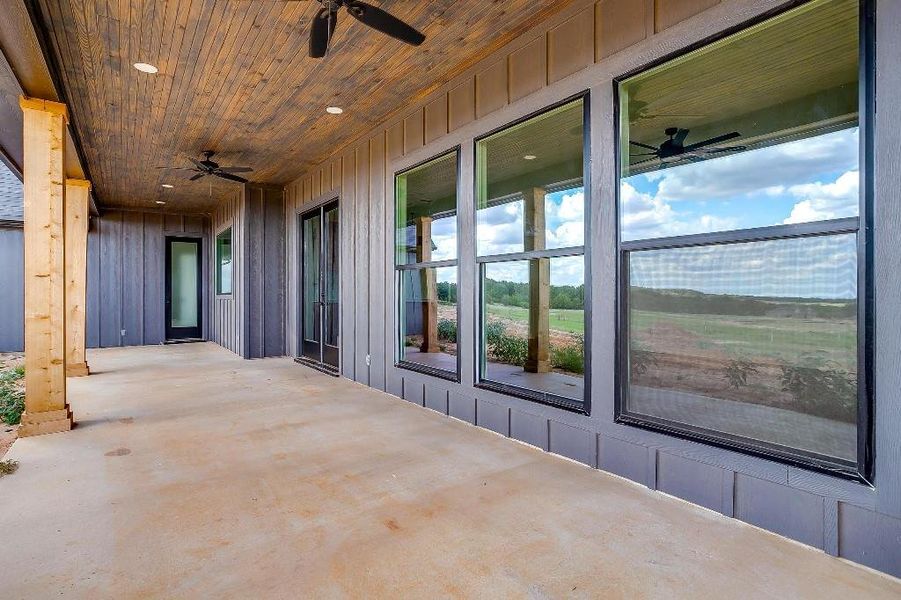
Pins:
x: 46, y: 409
x: 77, y: 200
x: 429, y: 286
x: 538, y: 359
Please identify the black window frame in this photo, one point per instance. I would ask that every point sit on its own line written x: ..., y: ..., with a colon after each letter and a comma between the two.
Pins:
x: 230, y: 232
x: 479, y: 356
x: 399, y: 363
x: 863, y: 470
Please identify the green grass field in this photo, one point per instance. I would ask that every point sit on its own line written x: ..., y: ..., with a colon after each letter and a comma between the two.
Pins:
x: 569, y: 321
x: 782, y: 338
x: 787, y: 339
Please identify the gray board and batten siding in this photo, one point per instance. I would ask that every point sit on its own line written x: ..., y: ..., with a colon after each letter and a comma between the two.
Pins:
x: 584, y: 48
x: 126, y: 275
x: 12, y: 287
x: 251, y: 320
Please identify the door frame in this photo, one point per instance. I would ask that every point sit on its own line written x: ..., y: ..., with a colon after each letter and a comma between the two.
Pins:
x: 319, y: 206
x: 194, y: 333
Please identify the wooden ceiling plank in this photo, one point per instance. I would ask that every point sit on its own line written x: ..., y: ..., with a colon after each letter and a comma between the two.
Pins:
x: 236, y: 77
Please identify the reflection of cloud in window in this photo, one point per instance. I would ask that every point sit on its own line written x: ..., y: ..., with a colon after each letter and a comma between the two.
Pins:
x: 820, y: 201
x: 500, y: 227
x: 800, y: 181
x: 444, y: 238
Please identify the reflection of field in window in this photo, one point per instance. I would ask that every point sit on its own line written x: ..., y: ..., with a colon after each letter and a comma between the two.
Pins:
x: 767, y: 323
x: 430, y: 302
x: 506, y: 290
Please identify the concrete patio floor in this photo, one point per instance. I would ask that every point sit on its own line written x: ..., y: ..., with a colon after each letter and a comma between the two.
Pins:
x: 193, y: 473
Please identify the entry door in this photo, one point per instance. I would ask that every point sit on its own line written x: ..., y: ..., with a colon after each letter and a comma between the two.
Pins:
x: 183, y: 288
x: 319, y: 306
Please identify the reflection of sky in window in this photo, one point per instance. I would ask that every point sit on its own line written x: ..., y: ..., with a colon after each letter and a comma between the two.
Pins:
x: 801, y: 181
x: 500, y: 227
x: 564, y: 270
x: 446, y: 275
x: 814, y: 267
x: 444, y: 238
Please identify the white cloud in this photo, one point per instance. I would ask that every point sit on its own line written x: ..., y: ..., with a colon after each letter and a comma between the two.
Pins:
x: 765, y: 170
x: 819, y: 201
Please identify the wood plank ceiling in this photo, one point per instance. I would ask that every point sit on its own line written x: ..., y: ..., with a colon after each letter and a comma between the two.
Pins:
x: 234, y: 77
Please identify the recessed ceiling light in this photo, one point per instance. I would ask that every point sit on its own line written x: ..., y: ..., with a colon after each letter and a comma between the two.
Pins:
x: 529, y: 157
x: 167, y: 185
x: 145, y: 68
x: 334, y: 110
x: 160, y: 201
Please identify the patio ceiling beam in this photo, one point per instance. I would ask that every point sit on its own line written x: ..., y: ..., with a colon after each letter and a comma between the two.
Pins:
x: 44, y: 137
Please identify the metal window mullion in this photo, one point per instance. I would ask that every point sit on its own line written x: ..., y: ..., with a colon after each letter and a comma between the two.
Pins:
x: 433, y: 264
x: 738, y: 236
x: 532, y: 254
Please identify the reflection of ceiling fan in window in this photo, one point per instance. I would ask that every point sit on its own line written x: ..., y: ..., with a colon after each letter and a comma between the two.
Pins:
x: 674, y: 148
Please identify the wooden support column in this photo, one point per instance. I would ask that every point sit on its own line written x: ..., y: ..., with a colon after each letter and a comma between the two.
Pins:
x: 538, y: 359
x: 46, y: 409
x: 429, y: 284
x: 78, y: 193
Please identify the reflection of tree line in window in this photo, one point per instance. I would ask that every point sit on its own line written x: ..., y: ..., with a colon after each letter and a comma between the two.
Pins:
x: 792, y: 353
x: 511, y: 293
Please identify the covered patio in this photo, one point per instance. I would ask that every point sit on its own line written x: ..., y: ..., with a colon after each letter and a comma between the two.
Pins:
x: 536, y: 298
x: 193, y: 473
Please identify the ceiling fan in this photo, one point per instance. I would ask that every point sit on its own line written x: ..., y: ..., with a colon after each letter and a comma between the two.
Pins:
x: 674, y: 148
x: 324, y: 22
x: 205, y: 167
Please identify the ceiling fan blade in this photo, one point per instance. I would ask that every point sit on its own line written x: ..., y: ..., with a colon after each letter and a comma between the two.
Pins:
x: 724, y: 149
x: 236, y: 169
x: 649, y: 147
x: 321, y: 32
x: 229, y: 176
x: 197, y: 164
x: 178, y: 168
x: 382, y: 21
x: 680, y: 136
x: 196, y: 177
x: 712, y: 141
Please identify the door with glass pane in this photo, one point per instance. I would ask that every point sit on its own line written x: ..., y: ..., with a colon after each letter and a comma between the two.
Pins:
x: 183, y: 288
x: 319, y: 306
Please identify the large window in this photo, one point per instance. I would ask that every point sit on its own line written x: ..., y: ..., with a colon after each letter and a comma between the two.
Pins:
x: 742, y: 273
x: 426, y: 263
x: 224, y: 262
x: 530, y: 235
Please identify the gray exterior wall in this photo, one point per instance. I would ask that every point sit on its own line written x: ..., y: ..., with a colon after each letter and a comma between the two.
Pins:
x: 126, y: 275
x: 264, y: 253
x: 227, y: 310
x: 12, y: 289
x: 251, y: 320
x: 585, y: 47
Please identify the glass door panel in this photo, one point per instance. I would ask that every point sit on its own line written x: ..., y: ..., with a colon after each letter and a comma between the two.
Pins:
x: 183, y: 288
x: 330, y: 286
x: 319, y: 293
x: 312, y: 275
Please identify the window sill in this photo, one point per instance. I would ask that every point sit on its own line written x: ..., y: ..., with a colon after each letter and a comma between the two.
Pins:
x: 740, y: 445
x: 425, y: 370
x: 577, y: 406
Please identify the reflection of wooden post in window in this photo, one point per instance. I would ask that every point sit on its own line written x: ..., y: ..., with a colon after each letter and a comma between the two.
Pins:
x: 534, y: 238
x: 429, y: 285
